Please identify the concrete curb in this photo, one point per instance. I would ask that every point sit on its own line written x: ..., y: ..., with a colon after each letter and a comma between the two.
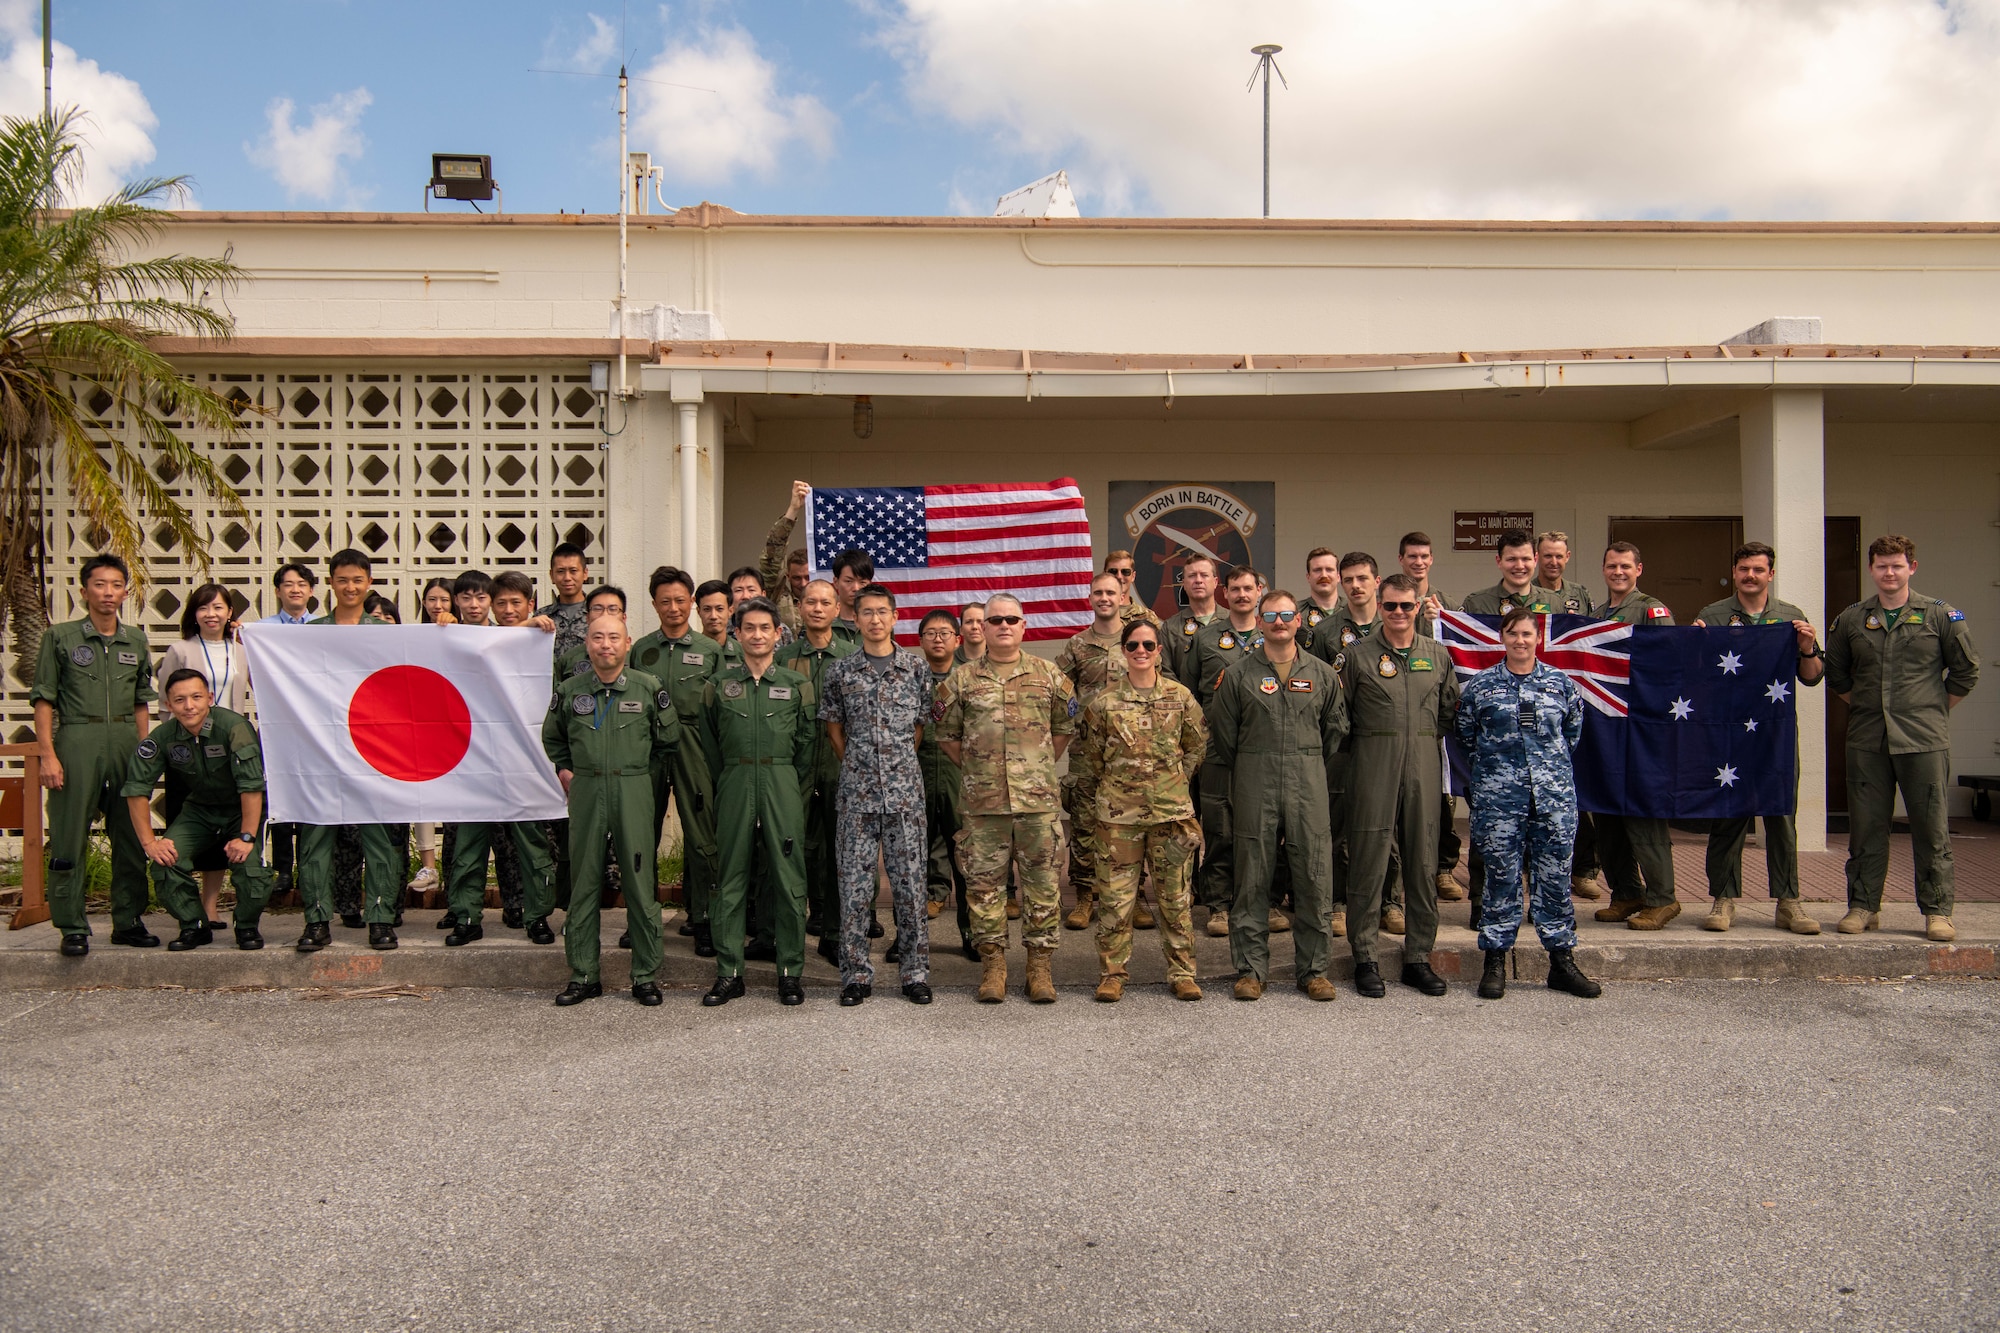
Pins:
x: 504, y: 959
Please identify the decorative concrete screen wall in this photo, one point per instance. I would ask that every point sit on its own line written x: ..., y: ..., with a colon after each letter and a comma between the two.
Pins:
x: 432, y: 468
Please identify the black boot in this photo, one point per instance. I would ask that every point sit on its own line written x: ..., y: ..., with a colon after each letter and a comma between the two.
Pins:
x: 135, y: 937
x: 827, y: 948
x: 1563, y: 976
x: 465, y: 932
x: 316, y: 937
x: 352, y: 920
x: 191, y: 937
x: 895, y: 953
x: 686, y: 927
x: 874, y: 926
x: 1493, y: 981
x: 625, y: 940
x: 510, y: 917
x: 579, y: 991
x: 1418, y: 976
x: 539, y: 932
x: 381, y: 935
x: 249, y: 937
x: 967, y: 948
x: 722, y: 992
x: 704, y: 941
x: 75, y: 944
x: 814, y: 926
x: 1368, y: 979
x: 445, y: 922
x: 791, y: 990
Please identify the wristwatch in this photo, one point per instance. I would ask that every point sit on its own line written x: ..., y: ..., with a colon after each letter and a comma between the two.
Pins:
x: 246, y: 837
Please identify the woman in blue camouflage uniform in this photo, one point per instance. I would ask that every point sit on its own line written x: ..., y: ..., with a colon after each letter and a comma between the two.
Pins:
x: 1519, y: 722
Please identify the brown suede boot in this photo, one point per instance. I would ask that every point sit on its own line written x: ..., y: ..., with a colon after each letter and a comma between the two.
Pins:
x: 1857, y: 920
x: 1448, y: 887
x: 1249, y: 988
x: 1041, y: 987
x: 1079, y: 915
x: 1184, y: 988
x: 1619, y: 909
x: 1792, y: 917
x: 1218, y: 924
x: 1337, y: 926
x: 1653, y: 918
x: 1277, y: 922
x: 992, y: 973
x: 1110, y: 990
x: 1319, y: 988
x: 1142, y: 916
x: 1721, y: 914
x: 1585, y: 886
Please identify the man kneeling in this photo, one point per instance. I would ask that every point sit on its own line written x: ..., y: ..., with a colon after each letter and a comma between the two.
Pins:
x: 217, y: 753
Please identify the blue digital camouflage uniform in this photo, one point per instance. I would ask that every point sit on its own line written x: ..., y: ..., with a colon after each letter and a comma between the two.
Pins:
x: 881, y: 804
x: 1519, y: 732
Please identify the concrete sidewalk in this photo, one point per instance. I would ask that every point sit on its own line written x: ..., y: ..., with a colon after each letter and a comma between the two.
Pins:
x: 1755, y: 948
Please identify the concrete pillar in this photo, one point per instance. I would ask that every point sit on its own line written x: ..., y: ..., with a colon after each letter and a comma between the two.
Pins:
x: 1783, y: 446
x: 708, y: 508
x: 684, y: 388
x: 640, y: 488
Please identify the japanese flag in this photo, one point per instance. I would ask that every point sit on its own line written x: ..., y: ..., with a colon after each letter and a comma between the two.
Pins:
x: 398, y: 724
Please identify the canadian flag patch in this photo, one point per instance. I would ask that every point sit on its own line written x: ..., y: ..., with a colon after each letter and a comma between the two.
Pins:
x: 1658, y: 613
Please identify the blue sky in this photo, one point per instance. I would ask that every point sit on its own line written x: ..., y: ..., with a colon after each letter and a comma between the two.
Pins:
x: 1450, y: 108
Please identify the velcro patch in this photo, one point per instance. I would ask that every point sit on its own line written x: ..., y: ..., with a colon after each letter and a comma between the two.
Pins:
x: 781, y: 691
x: 1297, y: 686
x: 128, y: 659
x: 148, y: 749
x: 631, y: 705
x: 693, y: 659
x: 583, y: 705
x: 1268, y: 685
x: 212, y: 751
x: 664, y: 700
x: 1954, y: 615
x: 1658, y: 613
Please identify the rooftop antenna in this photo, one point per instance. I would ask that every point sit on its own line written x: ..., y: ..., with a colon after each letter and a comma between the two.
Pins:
x: 1267, y: 64
x: 48, y: 65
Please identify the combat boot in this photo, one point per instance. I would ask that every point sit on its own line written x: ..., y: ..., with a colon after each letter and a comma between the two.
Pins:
x: 1277, y: 922
x: 1110, y: 989
x: 1857, y: 920
x: 1079, y: 915
x: 1937, y: 929
x: 381, y: 935
x: 1392, y: 921
x: 317, y: 936
x: 249, y: 937
x: 1791, y: 916
x: 1218, y: 923
x: 1336, y: 926
x: 1619, y: 909
x: 1449, y: 889
x: 992, y: 973
x: 1040, y: 986
x: 1184, y: 988
x: 1653, y: 918
x: 1721, y: 914
x: 1563, y: 976
x: 1319, y: 988
x: 1493, y: 981
x: 1142, y: 917
x: 1585, y: 886
x: 191, y: 937
x: 1249, y: 988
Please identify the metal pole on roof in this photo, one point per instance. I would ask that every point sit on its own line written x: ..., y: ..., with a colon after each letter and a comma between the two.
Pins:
x: 1266, y: 64
x: 48, y: 65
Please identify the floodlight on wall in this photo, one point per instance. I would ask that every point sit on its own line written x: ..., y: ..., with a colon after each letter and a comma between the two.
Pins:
x: 467, y: 177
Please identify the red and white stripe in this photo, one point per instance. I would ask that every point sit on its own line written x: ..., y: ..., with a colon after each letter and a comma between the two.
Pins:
x: 1583, y: 654
x: 1029, y: 541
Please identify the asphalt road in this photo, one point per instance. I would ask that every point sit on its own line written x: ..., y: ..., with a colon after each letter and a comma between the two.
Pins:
x: 1698, y: 1156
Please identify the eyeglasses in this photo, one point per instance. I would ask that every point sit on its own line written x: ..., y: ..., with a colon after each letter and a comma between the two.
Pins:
x: 1272, y: 617
x: 937, y: 634
x: 1143, y: 646
x: 1399, y: 606
x: 1004, y: 620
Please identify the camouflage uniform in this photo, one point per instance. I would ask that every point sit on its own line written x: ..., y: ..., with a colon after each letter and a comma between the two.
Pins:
x: 1216, y: 648
x: 1275, y: 731
x: 1573, y: 599
x: 1092, y: 662
x: 1136, y: 752
x: 881, y: 804
x: 570, y: 623
x: 1519, y: 732
x: 822, y: 795
x: 1638, y: 854
x: 1007, y: 717
x: 1132, y: 611
x: 771, y: 567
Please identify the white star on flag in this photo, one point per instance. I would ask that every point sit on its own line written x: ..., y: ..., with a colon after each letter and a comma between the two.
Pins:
x: 1778, y: 692
x: 1682, y: 710
x: 1725, y: 776
x: 1750, y: 724
x: 1730, y: 664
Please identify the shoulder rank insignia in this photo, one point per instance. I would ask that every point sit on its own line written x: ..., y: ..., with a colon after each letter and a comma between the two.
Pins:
x: 1387, y: 667
x: 1269, y: 684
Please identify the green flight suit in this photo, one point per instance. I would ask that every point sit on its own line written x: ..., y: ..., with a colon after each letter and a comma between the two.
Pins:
x: 611, y: 738
x: 943, y: 813
x: 218, y: 765
x: 684, y: 665
x: 1900, y: 670
x: 384, y: 866
x: 822, y: 794
x: 1331, y: 637
x: 1275, y: 731
x: 1726, y: 837
x: 1571, y: 599
x: 1638, y: 854
x: 762, y: 739
x: 1217, y: 647
x: 1497, y: 601
x: 1449, y: 846
x: 1177, y: 633
x: 96, y: 684
x: 1311, y: 616
x: 1400, y: 701
x: 466, y: 893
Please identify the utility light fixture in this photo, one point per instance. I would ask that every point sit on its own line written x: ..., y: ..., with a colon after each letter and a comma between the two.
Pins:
x: 467, y: 177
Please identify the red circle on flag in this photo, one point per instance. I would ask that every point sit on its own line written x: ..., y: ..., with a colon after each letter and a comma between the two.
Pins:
x: 409, y: 723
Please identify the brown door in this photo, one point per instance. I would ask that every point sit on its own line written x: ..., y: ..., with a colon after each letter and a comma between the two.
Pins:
x: 1686, y: 559
x: 1843, y: 589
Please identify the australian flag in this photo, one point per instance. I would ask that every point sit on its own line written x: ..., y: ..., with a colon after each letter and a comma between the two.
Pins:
x: 1679, y: 722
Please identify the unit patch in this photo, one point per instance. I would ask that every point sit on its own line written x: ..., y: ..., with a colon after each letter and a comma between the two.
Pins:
x: 1387, y: 668
x: 182, y: 755
x: 83, y: 654
x: 583, y: 705
x: 732, y: 689
x: 664, y: 700
x: 1269, y: 684
x: 147, y: 749
x: 1297, y: 686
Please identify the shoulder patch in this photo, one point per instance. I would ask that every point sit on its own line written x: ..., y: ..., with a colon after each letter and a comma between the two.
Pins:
x: 1189, y: 630
x: 1074, y: 706
x: 664, y: 700
x: 1658, y: 613
x: 148, y: 749
x: 1339, y: 662
x: 1953, y: 613
x: 555, y: 701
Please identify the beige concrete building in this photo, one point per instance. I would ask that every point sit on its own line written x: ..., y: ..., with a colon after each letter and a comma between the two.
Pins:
x: 426, y: 391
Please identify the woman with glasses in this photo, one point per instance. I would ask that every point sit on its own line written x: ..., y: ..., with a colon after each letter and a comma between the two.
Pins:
x: 1140, y: 741
x: 1520, y: 723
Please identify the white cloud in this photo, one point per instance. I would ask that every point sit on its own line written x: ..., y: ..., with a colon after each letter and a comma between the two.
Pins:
x: 593, y: 51
x: 1483, y: 108
x: 727, y: 116
x: 117, y: 129
x: 307, y: 159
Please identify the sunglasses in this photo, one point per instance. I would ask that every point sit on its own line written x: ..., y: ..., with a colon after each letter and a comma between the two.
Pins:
x: 1272, y: 617
x: 1143, y: 646
x: 1003, y: 620
x: 1399, y: 606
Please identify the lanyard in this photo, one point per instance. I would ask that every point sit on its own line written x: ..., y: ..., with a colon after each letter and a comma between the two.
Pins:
x: 218, y: 684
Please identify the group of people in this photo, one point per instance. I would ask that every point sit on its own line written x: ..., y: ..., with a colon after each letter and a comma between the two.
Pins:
x: 1272, y: 759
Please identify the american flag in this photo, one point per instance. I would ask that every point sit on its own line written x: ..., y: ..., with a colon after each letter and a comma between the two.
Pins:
x: 939, y: 547
x: 1583, y: 652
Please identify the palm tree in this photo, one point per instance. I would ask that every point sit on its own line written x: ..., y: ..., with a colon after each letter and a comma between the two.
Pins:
x: 77, y: 317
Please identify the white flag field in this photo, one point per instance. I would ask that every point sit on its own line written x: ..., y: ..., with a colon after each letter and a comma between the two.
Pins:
x: 398, y: 724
